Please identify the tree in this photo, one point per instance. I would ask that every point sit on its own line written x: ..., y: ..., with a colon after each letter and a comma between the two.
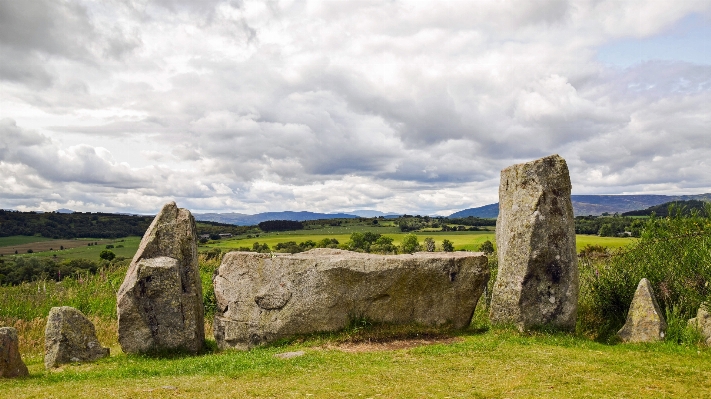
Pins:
x: 410, y: 244
x: 383, y: 245
x: 107, y: 255
x: 447, y: 246
x: 487, y: 247
x: 605, y: 230
x: 429, y: 244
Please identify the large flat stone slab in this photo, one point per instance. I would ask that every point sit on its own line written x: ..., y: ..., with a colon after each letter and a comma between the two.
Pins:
x: 262, y: 298
x: 537, y: 280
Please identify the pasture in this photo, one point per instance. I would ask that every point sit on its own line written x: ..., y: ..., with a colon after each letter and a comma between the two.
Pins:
x: 77, y: 248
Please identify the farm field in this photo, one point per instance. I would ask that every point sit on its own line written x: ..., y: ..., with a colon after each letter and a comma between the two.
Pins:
x: 463, y: 240
x: 77, y: 248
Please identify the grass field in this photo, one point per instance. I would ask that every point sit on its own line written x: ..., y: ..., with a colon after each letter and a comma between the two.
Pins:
x: 464, y: 240
x: 77, y: 248
x: 476, y: 364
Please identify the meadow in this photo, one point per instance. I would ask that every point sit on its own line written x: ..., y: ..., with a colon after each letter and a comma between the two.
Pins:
x: 480, y: 361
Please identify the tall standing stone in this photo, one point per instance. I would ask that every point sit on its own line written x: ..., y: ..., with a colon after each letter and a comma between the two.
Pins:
x: 70, y: 337
x: 160, y: 301
x: 537, y: 282
x: 645, y: 322
x: 11, y: 364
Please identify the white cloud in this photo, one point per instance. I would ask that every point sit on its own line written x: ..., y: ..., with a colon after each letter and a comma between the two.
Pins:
x: 407, y: 106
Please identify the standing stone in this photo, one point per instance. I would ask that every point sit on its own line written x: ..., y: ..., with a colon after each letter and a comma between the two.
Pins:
x: 537, y: 283
x: 160, y: 301
x: 645, y: 322
x: 70, y: 337
x: 262, y: 298
x: 11, y: 364
x: 702, y: 322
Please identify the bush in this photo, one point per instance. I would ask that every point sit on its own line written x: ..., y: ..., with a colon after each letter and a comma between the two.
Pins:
x: 107, y: 255
x: 410, y: 244
x: 487, y: 247
x: 429, y: 244
x: 674, y: 253
x: 447, y: 246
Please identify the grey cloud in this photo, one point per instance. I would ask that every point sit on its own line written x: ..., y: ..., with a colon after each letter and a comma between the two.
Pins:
x: 336, y: 105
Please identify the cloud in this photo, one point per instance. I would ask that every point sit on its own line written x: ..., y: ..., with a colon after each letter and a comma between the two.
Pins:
x: 406, y: 105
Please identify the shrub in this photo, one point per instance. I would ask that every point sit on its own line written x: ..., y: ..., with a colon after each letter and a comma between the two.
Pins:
x: 487, y: 247
x: 674, y: 253
x: 429, y: 244
x: 447, y: 246
x: 107, y: 255
x: 410, y: 243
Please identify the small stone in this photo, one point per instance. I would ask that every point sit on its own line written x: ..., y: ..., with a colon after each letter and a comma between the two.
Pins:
x: 11, y: 364
x: 537, y: 281
x: 645, y: 322
x: 160, y: 303
x: 290, y: 355
x: 70, y: 337
x: 702, y: 322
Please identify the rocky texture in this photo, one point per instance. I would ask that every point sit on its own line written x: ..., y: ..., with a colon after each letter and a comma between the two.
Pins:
x: 262, y: 298
x: 160, y: 301
x: 11, y: 364
x: 70, y: 337
x: 645, y: 322
x: 702, y: 322
x: 537, y: 282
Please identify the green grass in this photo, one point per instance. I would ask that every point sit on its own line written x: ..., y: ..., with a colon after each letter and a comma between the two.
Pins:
x: 84, y: 251
x: 480, y: 363
x: 583, y: 240
x: 20, y: 240
x: 463, y: 240
x: 494, y: 364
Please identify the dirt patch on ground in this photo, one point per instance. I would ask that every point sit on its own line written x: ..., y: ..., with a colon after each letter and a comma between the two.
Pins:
x: 356, y: 347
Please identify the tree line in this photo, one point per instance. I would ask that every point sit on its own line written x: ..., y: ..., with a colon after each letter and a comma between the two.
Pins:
x: 91, y: 225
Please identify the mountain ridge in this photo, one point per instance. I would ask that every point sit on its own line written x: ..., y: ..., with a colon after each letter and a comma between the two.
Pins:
x: 596, y: 205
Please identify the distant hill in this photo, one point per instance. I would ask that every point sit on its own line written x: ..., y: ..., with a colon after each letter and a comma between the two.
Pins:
x: 486, y: 211
x: 242, y: 219
x: 663, y: 209
x: 596, y: 205
x: 366, y: 213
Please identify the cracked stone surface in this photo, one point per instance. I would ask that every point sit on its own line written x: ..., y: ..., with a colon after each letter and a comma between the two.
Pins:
x: 70, y: 337
x: 160, y: 304
x: 11, y: 364
x: 262, y: 298
x: 537, y: 280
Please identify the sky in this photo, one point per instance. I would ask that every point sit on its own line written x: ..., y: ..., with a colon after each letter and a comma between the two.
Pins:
x: 329, y: 106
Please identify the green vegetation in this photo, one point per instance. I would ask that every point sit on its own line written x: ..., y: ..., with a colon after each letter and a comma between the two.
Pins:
x: 685, y: 207
x: 87, y: 225
x: 609, y: 226
x: 674, y: 253
x: 480, y: 361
